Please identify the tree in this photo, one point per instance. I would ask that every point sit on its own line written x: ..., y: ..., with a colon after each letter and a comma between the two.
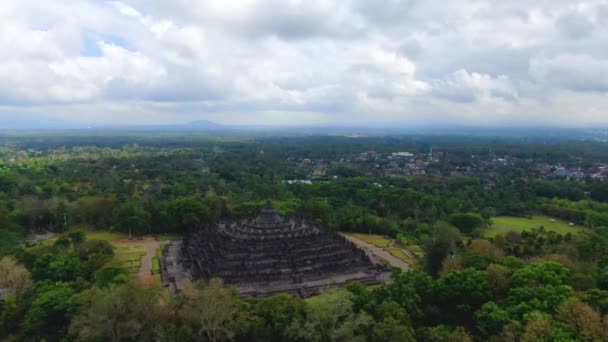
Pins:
x: 438, y: 246
x: 330, y: 317
x: 16, y: 283
x: 110, y: 275
x: 58, y: 267
x: 541, y: 328
x: 598, y: 299
x: 466, y: 223
x: 187, y: 213
x: 443, y: 333
x: 118, y: 313
x: 391, y: 329
x: 537, y: 287
x: 52, y: 307
x: 491, y: 319
x: 4, y: 216
x: 408, y: 289
x: 76, y: 237
x: 485, y: 249
x: 583, y: 318
x: 93, y: 210
x: 460, y: 293
x: 499, y: 279
x: 540, y: 274
x: 212, y: 313
x: 278, y: 312
x: 15, y: 278
x: 132, y: 218
x: 393, y: 323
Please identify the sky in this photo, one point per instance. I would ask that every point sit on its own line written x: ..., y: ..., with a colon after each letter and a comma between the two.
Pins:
x: 288, y: 62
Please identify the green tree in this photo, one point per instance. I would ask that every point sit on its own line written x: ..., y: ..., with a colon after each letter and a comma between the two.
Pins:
x: 537, y: 287
x: 119, y: 313
x: 211, y: 313
x: 52, y: 307
x: 330, y: 317
x: 466, y: 223
x: 585, y: 320
x: 187, y: 213
x: 491, y: 318
x: 132, y: 218
x: 540, y: 328
x: 278, y: 312
x: 393, y: 330
x: 438, y: 246
x: 460, y: 293
x: 61, y: 267
x: 444, y: 333
x: 15, y: 279
x: 110, y: 274
x: 393, y: 323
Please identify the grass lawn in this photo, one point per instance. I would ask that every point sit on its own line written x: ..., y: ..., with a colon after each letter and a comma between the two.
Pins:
x: 90, y: 235
x: 504, y: 224
x: 399, y: 254
x: 376, y: 240
x: 124, y: 255
x: 167, y: 237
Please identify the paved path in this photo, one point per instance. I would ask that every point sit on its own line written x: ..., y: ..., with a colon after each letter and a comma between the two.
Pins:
x: 378, y: 253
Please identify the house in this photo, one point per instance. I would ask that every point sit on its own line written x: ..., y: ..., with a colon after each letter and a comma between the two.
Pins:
x: 402, y: 154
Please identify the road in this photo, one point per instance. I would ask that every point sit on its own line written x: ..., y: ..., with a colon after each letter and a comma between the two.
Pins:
x: 378, y: 253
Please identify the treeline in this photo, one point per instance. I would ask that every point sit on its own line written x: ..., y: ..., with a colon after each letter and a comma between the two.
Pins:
x: 469, y: 289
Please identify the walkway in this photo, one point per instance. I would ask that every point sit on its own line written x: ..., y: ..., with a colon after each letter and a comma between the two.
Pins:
x: 378, y: 253
x: 150, y: 246
x: 145, y: 271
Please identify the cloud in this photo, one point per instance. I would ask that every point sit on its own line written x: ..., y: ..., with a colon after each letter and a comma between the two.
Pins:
x: 575, y: 25
x: 462, y: 86
x: 571, y: 71
x: 278, y: 61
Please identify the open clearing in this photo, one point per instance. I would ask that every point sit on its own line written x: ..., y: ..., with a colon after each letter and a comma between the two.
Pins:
x: 139, y: 256
x: 401, y: 255
x: 383, y: 247
x: 505, y: 224
x: 376, y: 240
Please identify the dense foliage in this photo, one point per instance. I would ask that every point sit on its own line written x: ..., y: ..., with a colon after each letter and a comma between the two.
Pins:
x: 530, y: 286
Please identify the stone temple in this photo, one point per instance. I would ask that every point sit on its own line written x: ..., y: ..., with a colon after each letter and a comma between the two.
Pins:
x: 267, y: 254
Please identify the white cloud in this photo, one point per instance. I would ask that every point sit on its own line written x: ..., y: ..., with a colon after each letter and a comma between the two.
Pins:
x: 316, y: 61
x: 571, y: 71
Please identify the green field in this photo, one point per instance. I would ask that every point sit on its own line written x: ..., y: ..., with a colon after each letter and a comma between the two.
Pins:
x: 129, y: 256
x: 90, y: 235
x: 505, y: 224
x: 401, y: 255
x: 376, y: 240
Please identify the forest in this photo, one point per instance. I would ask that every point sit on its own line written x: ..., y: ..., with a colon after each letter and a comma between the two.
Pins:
x: 536, y: 284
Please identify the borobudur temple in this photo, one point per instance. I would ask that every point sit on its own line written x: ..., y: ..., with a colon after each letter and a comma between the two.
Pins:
x: 267, y: 254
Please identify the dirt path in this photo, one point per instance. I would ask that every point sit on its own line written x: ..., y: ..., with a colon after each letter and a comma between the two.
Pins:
x: 145, y: 271
x: 378, y: 253
x: 150, y: 246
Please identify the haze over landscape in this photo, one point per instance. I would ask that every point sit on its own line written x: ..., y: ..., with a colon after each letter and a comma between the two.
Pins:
x: 304, y: 170
x: 274, y: 62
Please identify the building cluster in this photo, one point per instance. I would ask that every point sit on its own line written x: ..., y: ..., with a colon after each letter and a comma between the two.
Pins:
x: 560, y: 171
x: 369, y: 163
